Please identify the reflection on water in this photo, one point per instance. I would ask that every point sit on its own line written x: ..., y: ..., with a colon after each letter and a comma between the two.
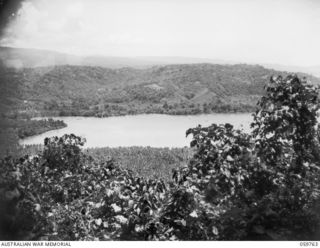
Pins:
x: 153, y: 130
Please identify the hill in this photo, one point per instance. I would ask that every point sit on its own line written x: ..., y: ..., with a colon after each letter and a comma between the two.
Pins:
x: 98, y: 91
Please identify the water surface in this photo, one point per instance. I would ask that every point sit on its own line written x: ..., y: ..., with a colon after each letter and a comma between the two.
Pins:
x: 153, y: 130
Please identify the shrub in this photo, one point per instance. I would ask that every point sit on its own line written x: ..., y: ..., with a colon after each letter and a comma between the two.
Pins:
x: 63, y: 153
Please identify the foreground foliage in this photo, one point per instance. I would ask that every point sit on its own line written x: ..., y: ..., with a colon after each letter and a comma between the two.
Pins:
x: 237, y: 186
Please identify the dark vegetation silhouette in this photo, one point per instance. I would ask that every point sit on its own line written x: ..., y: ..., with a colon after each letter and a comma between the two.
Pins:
x: 238, y: 186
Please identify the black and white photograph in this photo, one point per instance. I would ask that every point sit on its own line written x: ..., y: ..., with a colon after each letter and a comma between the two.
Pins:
x: 159, y: 120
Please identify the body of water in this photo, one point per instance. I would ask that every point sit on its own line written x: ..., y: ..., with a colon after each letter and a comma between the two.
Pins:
x: 153, y: 130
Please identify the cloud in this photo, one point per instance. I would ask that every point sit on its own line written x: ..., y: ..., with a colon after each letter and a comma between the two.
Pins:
x: 284, y: 31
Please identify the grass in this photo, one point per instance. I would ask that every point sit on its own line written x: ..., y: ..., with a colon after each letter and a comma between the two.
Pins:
x: 147, y: 162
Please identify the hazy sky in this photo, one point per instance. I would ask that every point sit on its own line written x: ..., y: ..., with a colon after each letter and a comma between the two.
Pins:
x: 251, y: 31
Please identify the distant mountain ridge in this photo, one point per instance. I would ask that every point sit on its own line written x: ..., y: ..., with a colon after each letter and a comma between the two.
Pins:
x: 313, y: 70
x: 31, y: 58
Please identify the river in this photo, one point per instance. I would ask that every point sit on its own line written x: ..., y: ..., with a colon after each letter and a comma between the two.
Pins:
x: 154, y: 130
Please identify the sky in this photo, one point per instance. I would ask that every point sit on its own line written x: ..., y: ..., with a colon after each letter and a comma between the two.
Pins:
x: 250, y: 31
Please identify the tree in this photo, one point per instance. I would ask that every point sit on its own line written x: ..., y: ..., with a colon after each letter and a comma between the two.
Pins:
x: 285, y: 125
x: 267, y: 183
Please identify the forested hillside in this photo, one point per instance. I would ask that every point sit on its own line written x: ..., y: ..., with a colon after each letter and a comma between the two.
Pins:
x: 97, y: 91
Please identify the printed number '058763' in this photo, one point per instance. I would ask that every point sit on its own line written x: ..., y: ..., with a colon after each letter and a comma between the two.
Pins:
x: 308, y: 243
